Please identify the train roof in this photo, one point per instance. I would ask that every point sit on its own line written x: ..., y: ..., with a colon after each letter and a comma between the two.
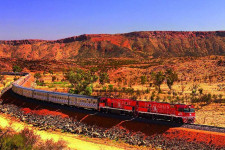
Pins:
x: 26, y: 88
x: 36, y: 90
x: 85, y: 96
x: 73, y: 95
x: 58, y: 93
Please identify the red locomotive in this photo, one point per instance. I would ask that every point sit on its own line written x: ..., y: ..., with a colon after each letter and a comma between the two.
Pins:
x: 153, y: 110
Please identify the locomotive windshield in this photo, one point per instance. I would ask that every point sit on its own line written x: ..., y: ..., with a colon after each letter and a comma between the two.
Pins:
x: 186, y: 109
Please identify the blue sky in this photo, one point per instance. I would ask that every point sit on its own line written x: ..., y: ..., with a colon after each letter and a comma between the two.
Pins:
x: 56, y: 19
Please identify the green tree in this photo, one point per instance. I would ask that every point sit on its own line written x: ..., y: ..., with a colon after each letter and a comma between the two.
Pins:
x: 51, y: 72
x: 158, y: 79
x: 37, y: 76
x: 143, y: 80
x: 81, y: 81
x: 93, y: 70
x: 53, y: 78
x: 200, y: 91
x: 44, y: 73
x: 16, y: 68
x: 104, y: 78
x: 88, y: 90
x: 110, y: 87
x: 171, y: 77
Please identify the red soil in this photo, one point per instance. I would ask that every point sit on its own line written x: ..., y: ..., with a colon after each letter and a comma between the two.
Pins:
x: 210, y: 138
x: 207, y: 137
x: 44, y: 112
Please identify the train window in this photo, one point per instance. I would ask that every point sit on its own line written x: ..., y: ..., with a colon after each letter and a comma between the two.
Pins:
x: 192, y: 110
x: 186, y: 110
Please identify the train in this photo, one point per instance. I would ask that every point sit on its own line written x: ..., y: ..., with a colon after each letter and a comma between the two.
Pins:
x: 179, y: 113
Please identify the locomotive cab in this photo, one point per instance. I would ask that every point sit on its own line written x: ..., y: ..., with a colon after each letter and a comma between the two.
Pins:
x: 187, y: 113
x: 103, y: 101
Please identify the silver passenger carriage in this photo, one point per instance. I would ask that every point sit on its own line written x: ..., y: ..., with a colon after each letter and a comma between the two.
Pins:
x: 83, y: 101
x: 40, y: 95
x: 60, y: 98
x: 17, y: 89
x: 27, y: 92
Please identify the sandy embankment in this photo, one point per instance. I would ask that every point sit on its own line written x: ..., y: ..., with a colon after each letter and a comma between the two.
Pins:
x: 73, y: 141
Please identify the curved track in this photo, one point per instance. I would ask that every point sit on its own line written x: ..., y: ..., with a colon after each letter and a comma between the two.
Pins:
x: 97, y: 118
x: 104, y: 120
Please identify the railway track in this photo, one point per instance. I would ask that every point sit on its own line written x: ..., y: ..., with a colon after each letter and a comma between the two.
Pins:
x: 135, y: 131
x: 100, y: 119
x: 204, y: 127
x: 86, y: 115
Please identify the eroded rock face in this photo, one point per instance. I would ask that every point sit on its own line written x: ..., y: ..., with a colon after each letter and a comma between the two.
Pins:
x: 142, y: 44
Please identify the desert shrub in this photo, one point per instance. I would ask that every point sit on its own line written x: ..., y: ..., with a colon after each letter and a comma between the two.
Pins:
x: 16, y: 141
x: 104, y: 88
x: 134, y: 97
x: 29, y: 136
x: 207, y: 98
x: 40, y: 83
x: 110, y: 87
x: 53, y: 78
x: 123, y: 89
x: 200, y: 91
x: 104, y: 78
x: 37, y: 76
x: 16, y: 68
x: 219, y: 100
x: 15, y: 78
x: 51, y: 72
x: 115, y: 89
x: 44, y: 73
x: 27, y: 140
x: 147, y: 91
x: 152, y: 96
x: 51, y: 86
x: 157, y: 99
x: 131, y: 91
x: 50, y: 145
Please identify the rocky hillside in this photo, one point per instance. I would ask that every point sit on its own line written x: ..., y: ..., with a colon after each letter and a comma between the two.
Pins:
x: 140, y: 45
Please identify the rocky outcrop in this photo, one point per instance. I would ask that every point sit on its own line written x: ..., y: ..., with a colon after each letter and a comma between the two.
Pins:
x: 143, y: 44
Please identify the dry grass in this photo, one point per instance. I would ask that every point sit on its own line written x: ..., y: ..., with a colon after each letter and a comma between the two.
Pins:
x: 72, y: 141
x: 212, y: 114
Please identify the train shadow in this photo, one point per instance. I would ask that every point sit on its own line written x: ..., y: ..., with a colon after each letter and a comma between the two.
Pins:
x: 92, y: 117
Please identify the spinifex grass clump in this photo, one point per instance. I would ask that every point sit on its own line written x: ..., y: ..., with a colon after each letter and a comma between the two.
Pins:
x: 26, y: 140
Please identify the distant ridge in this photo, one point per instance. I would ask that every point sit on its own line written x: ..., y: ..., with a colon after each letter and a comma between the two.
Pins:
x: 141, y: 44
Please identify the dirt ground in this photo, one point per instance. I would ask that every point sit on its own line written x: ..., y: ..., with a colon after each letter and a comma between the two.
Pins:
x: 7, y: 79
x: 212, y: 114
x: 73, y: 141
